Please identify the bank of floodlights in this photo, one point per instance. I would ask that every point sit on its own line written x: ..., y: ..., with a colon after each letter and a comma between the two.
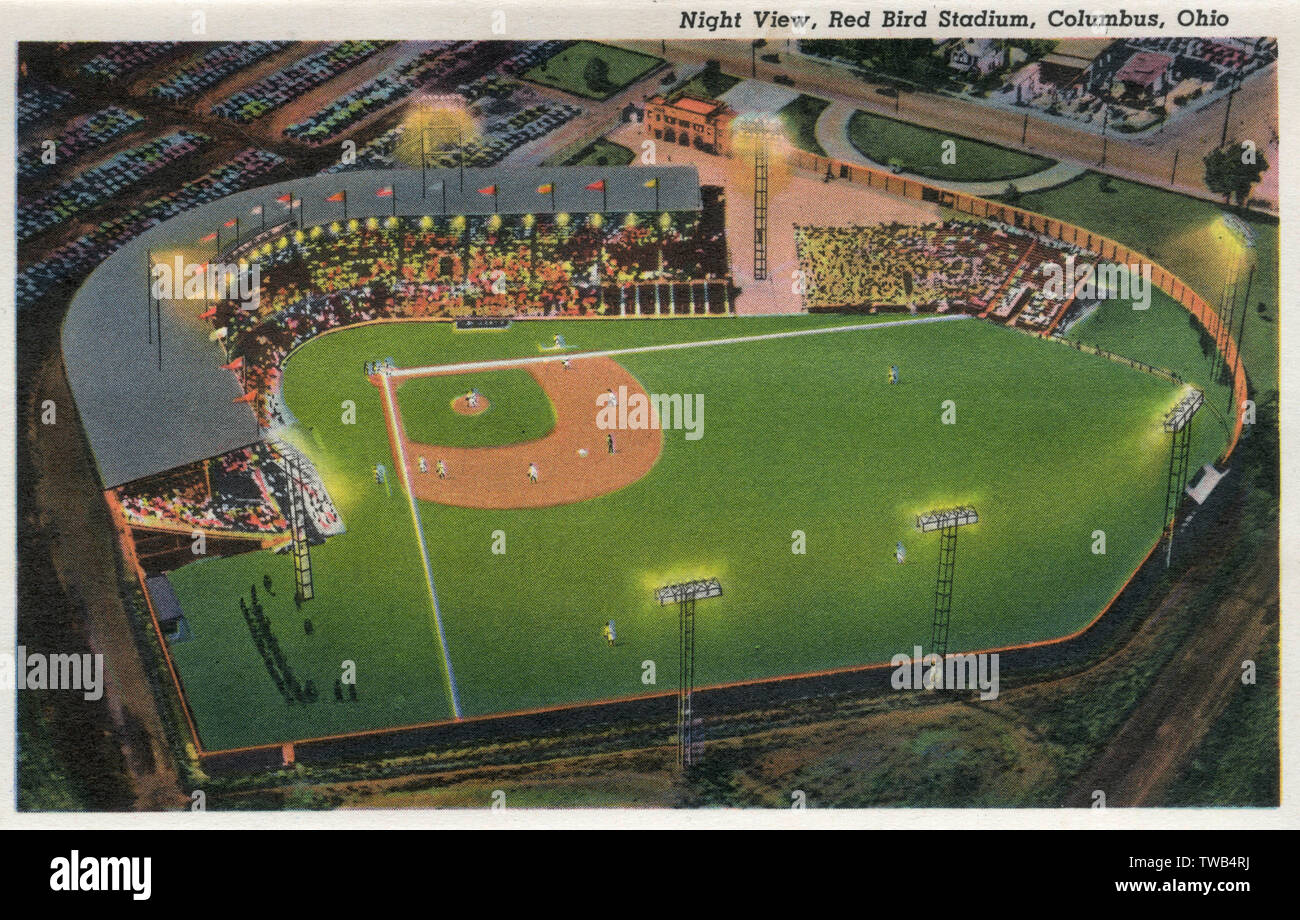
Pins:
x: 1180, y: 416
x: 947, y: 517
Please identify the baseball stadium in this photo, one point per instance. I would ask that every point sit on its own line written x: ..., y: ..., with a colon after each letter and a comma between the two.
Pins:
x: 359, y: 465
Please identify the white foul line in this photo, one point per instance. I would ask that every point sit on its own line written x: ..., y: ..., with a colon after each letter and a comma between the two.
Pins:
x: 424, y: 550
x: 641, y: 349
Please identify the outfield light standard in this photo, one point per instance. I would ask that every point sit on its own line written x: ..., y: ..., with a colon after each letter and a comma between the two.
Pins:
x: 1178, y: 422
x: 685, y: 594
x: 945, y: 521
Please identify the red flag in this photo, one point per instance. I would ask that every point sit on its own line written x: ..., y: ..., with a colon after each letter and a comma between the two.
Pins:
x: 597, y: 186
x: 247, y: 397
x: 385, y: 192
x: 337, y: 196
x: 229, y: 223
x: 209, y: 238
x: 209, y: 312
x: 490, y: 190
x: 235, y: 364
x: 285, y: 199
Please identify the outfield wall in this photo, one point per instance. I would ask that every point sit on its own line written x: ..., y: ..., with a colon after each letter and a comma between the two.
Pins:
x: 1103, y: 246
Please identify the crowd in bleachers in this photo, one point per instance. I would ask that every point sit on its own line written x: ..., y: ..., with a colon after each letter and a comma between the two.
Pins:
x: 326, y: 277
x: 82, y: 135
x: 245, y: 491
x: 120, y: 58
x: 37, y: 100
x: 287, y: 84
x: 986, y: 268
x: 954, y: 265
x: 66, y: 264
x: 229, y: 492
x: 92, y: 187
x: 213, y: 67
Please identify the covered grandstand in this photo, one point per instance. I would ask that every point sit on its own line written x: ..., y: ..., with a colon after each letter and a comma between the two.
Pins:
x: 153, y: 395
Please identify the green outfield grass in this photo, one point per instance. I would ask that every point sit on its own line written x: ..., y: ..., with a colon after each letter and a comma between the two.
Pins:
x: 517, y: 410
x: 920, y: 150
x: 1189, y: 237
x: 567, y: 70
x: 800, y: 434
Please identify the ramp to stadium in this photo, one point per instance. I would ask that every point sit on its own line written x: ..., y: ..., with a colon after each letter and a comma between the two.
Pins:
x: 144, y: 414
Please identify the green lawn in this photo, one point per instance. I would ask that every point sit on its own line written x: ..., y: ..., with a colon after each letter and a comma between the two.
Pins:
x: 517, y: 410
x: 707, y: 84
x: 567, y: 70
x: 799, y: 117
x: 1189, y: 237
x: 800, y: 434
x: 602, y: 153
x: 920, y: 151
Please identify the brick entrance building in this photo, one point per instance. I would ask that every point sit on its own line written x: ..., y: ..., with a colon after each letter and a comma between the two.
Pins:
x: 704, y: 124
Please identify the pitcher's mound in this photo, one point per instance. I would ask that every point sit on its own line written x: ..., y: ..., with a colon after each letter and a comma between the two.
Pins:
x: 462, y: 407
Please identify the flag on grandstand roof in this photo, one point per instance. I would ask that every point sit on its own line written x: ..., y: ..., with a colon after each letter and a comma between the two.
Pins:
x: 231, y: 222
x: 546, y: 188
x: 256, y: 210
x: 597, y: 186
x: 337, y: 196
x: 653, y: 183
x: 209, y: 312
x: 385, y: 192
x: 488, y: 190
x: 209, y: 238
x: 234, y: 365
x: 285, y: 200
x: 247, y: 397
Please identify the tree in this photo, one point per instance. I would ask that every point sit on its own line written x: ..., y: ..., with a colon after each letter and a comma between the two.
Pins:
x: 596, y: 74
x: 1233, y: 170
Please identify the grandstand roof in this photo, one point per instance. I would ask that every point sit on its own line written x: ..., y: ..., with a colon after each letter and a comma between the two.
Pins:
x: 141, y: 421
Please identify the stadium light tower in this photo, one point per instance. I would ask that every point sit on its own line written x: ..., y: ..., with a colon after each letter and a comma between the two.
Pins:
x: 759, y: 132
x: 685, y: 594
x: 1178, y: 422
x: 945, y: 521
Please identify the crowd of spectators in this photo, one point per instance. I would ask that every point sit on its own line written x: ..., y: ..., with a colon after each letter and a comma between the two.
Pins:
x: 986, y: 268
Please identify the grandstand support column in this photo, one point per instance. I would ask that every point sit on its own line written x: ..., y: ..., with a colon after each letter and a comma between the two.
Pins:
x: 690, y: 285
x: 636, y: 291
x: 672, y: 298
x: 706, y: 297
x: 622, y: 300
x: 657, y: 309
